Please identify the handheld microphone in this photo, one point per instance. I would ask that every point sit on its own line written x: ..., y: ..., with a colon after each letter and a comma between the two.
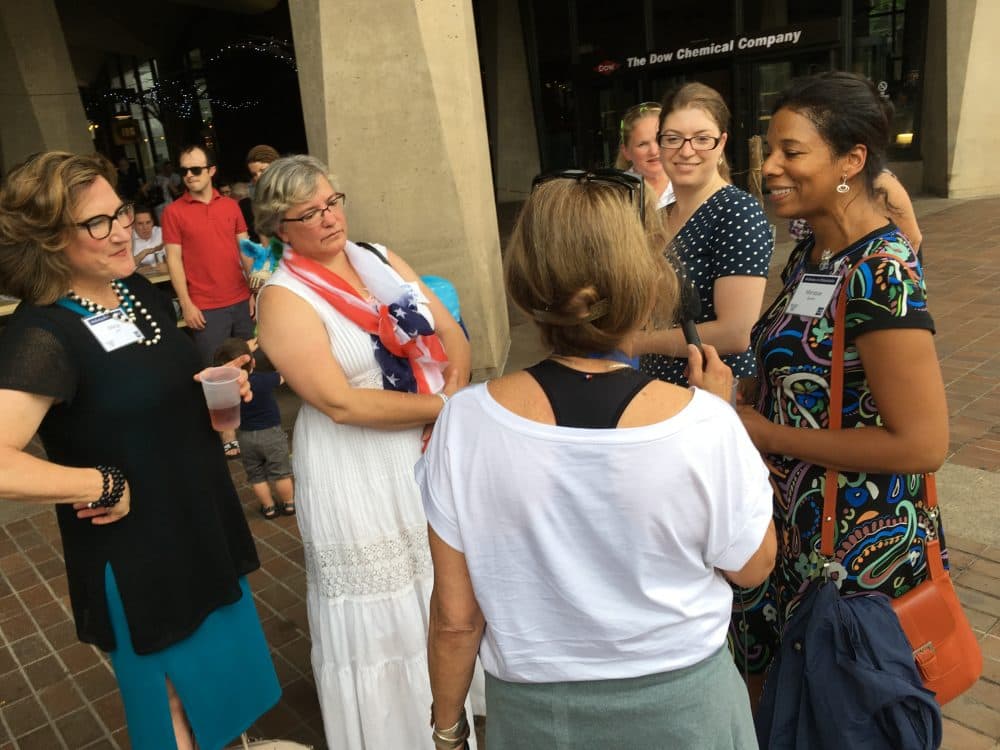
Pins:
x: 690, y: 312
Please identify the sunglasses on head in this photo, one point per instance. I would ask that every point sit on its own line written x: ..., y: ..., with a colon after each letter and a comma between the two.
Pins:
x: 631, y: 184
x: 636, y: 111
x: 196, y: 171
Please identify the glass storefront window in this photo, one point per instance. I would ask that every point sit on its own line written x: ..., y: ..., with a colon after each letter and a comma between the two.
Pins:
x: 608, y: 31
x: 550, y: 26
x: 888, y: 48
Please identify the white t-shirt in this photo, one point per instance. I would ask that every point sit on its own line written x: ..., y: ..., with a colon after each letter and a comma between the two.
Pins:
x: 593, y: 553
x: 139, y: 244
x: 666, y: 197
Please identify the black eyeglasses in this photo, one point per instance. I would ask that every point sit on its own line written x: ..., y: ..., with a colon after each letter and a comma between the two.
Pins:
x: 196, y: 171
x: 698, y: 142
x: 633, y: 185
x: 99, y: 226
x: 313, y: 217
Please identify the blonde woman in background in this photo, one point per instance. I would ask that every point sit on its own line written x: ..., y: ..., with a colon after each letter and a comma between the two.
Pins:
x: 639, y: 154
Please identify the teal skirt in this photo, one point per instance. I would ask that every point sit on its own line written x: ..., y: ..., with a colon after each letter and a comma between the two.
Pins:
x: 701, y: 707
x: 222, y: 672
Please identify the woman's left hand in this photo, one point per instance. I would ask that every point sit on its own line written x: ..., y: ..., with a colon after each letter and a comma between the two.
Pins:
x: 245, y: 393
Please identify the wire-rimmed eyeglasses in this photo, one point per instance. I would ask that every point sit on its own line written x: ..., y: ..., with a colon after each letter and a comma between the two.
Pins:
x: 99, y: 227
x: 633, y: 185
x: 314, y: 216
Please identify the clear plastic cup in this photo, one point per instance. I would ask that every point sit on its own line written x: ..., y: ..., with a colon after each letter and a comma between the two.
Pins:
x: 222, y: 394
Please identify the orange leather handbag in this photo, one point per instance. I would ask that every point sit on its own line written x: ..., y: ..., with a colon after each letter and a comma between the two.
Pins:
x: 945, y: 648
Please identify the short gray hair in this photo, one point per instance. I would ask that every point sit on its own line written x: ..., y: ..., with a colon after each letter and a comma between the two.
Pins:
x: 287, y: 182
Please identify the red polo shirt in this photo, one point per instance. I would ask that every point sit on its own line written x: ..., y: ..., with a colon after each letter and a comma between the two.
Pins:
x: 207, y: 233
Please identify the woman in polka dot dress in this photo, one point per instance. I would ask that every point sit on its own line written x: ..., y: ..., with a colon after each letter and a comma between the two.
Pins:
x: 721, y: 237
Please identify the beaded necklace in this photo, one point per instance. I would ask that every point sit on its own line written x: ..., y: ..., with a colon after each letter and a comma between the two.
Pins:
x: 129, y: 307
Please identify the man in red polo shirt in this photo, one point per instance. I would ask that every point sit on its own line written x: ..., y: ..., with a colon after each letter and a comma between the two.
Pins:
x: 201, y: 230
x: 200, y: 234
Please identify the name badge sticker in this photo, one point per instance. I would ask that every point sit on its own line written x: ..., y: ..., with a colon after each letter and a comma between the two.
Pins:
x: 813, y: 295
x: 112, y: 331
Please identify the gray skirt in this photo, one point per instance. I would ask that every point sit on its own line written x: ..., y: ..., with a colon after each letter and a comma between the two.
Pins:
x: 701, y: 707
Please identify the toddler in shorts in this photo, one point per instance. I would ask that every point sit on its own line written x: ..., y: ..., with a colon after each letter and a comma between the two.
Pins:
x: 263, y: 445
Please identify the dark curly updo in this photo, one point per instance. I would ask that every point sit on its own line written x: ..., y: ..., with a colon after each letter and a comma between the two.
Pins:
x: 846, y: 110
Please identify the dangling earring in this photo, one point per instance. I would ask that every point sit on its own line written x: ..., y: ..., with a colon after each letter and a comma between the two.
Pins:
x: 843, y: 187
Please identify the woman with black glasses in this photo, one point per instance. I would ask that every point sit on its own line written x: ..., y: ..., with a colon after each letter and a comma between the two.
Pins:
x: 585, y: 517
x: 156, y: 545
x: 374, y: 356
x: 721, y: 239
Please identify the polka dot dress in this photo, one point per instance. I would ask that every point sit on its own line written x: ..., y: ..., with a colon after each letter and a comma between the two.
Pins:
x: 728, y: 235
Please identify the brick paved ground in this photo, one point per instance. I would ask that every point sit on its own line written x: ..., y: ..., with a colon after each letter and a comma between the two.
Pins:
x: 57, y: 693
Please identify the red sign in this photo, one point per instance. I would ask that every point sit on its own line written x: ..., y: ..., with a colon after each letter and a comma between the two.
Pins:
x: 607, y: 67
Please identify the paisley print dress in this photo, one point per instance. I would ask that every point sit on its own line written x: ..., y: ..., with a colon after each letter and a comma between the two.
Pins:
x: 881, y: 519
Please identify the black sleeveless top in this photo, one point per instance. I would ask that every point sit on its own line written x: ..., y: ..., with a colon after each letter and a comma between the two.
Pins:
x: 585, y: 399
x: 180, y: 551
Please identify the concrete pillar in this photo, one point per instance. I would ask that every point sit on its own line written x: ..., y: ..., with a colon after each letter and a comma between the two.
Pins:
x: 39, y: 97
x: 392, y: 101
x: 958, y: 141
x: 972, y: 79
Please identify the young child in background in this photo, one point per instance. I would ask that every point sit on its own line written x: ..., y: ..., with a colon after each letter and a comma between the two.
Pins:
x: 263, y: 445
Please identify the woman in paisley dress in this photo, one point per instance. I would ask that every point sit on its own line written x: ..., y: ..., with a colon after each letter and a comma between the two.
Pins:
x: 828, y: 139
x: 374, y: 356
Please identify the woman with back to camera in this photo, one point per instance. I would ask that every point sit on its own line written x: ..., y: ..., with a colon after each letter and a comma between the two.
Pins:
x: 639, y: 152
x: 374, y: 356
x: 584, y: 517
x: 828, y: 138
x: 720, y: 235
x: 156, y: 545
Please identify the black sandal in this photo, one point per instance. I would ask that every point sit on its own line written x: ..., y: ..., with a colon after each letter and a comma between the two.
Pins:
x: 270, y: 512
x: 288, y: 509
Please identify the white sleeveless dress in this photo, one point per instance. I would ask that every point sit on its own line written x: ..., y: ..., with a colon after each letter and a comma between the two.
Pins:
x: 368, y: 564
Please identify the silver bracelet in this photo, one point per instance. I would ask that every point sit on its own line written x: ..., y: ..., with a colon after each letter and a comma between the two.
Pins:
x: 452, y: 738
x: 442, y: 396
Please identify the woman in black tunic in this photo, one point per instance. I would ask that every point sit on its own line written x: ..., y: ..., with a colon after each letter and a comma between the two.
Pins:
x: 154, y: 538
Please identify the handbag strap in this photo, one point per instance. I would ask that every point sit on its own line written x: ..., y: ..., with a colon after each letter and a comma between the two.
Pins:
x: 828, y: 528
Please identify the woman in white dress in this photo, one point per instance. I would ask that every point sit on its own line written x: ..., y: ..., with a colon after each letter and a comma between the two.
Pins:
x: 374, y: 356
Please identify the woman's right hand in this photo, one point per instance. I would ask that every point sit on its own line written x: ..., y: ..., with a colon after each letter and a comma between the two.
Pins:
x: 104, y: 516
x: 710, y: 374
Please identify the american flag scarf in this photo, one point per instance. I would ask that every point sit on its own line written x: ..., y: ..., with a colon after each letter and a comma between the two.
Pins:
x: 401, y: 325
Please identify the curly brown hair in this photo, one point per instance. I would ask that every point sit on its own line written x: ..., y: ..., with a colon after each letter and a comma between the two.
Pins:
x: 36, y: 221
x: 262, y: 153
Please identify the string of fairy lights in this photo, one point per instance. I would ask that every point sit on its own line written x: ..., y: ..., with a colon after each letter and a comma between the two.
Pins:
x: 180, y: 93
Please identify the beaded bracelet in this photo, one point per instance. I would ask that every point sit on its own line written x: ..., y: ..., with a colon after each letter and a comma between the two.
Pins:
x: 112, y: 487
